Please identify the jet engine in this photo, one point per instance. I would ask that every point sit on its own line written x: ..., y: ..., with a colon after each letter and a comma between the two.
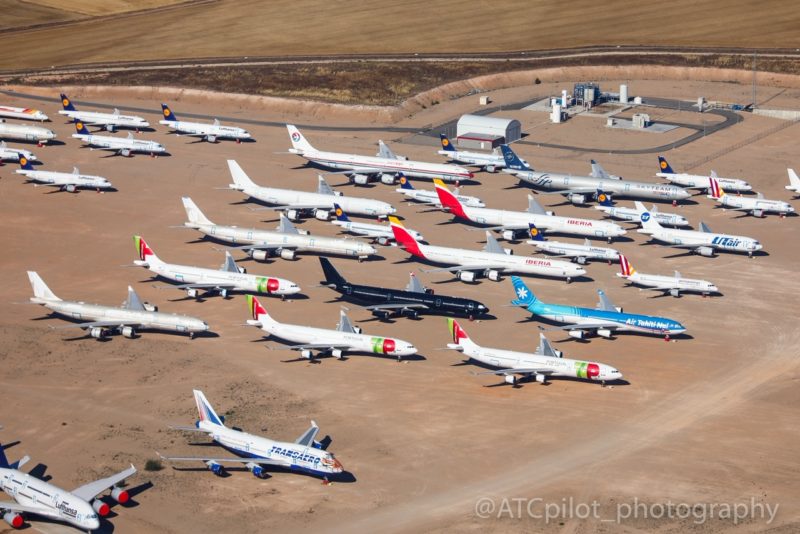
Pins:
x: 128, y: 332
x: 508, y: 251
x: 242, y: 270
x: 674, y: 292
x: 493, y: 275
x: 337, y: 353
x: 581, y: 260
x: 577, y: 198
x: 125, y: 152
x: 412, y: 314
x: 360, y: 179
x: 13, y: 519
x: 577, y: 334
x: 100, y: 507
x: 215, y: 468
x: 381, y: 314
x: 257, y: 470
x: 97, y: 332
x: 306, y: 353
x: 387, y: 179
x: 192, y: 293
x: 259, y: 255
x: 383, y: 241
x: 707, y: 252
x: 466, y: 276
x: 150, y: 307
x: 509, y: 235
x: 322, y: 215
x: 120, y: 495
x: 491, y: 168
x: 604, y: 332
x: 110, y: 128
x: 541, y: 378
x: 510, y: 379
x: 292, y: 215
x: 70, y: 188
x: 223, y: 293
x: 287, y: 254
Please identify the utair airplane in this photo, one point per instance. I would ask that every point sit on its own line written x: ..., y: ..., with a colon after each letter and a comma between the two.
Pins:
x: 604, y: 320
x: 671, y: 285
x: 545, y: 363
x: 123, y: 146
x: 794, y: 182
x: 103, y: 319
x: 489, y: 162
x: 198, y: 281
x: 380, y: 233
x: 360, y: 168
x: 580, y: 189
x: 14, y: 154
x: 108, y: 121
x: 699, y: 181
x: 80, y: 507
x: 431, y: 197
x: 66, y: 181
x: 703, y: 242
x: 207, y: 132
x: 606, y: 205
x: 304, y: 455
x: 345, y: 338
x: 757, y: 207
x: 561, y: 249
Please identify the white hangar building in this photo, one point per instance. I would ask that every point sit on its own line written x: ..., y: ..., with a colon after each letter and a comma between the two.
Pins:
x: 478, y: 131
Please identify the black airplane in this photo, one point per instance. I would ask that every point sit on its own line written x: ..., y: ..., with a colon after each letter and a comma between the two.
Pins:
x: 410, y: 302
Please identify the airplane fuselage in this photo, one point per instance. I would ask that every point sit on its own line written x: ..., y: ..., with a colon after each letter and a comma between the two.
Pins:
x: 95, y: 118
x: 290, y: 197
x: 755, y: 205
x: 105, y: 142
x: 66, y: 178
x: 14, y: 154
x: 575, y: 250
x: 617, y: 320
x: 23, y: 113
x: 671, y: 282
x: 431, y: 197
x: 632, y: 215
x: 488, y: 161
x: 23, y: 132
x: 552, y: 223
x: 622, y: 188
x: 696, y: 181
x: 376, y: 231
x: 185, y: 274
x: 694, y: 238
x: 207, y: 130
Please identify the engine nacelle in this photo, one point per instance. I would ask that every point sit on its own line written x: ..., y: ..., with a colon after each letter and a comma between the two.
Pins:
x: 215, y: 468
x: 541, y: 378
x: 13, y: 519
x: 150, y: 307
x: 337, y: 353
x: 577, y: 198
x: 387, y: 179
x: 306, y: 353
x: 120, y: 495
x: 292, y: 215
x: 577, y: 334
x: 97, y: 332
x: 510, y: 379
x: 357, y: 329
x: 110, y: 128
x: 381, y: 314
x: 491, y: 168
x: 581, y: 260
x: 493, y: 275
x: 466, y: 276
x: 242, y: 270
x: 128, y: 332
x: 100, y: 507
x: 322, y: 215
x: 287, y: 254
x: 70, y: 188
x: 257, y: 470
x: 707, y: 252
x: 192, y: 293
x: 223, y: 293
x: 259, y: 255
x: 604, y: 332
x: 360, y: 179
x: 674, y: 292
x: 509, y: 235
x: 125, y: 152
x: 413, y: 314
x: 383, y: 241
x: 508, y: 251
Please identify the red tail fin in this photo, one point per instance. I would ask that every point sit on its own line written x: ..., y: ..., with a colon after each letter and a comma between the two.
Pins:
x: 625, y: 266
x: 403, y: 238
x: 449, y: 200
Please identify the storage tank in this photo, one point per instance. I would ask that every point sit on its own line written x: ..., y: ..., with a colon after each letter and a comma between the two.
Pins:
x: 564, y: 103
x: 623, y: 94
x: 555, y: 116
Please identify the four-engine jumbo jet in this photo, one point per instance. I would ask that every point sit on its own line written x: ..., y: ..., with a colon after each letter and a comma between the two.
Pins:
x: 699, y: 181
x: 413, y: 301
x: 606, y: 205
x: 23, y: 132
x: 79, y: 507
x: 672, y: 285
x: 123, y: 146
x: 284, y: 242
x: 198, y: 280
x: 580, y: 189
x: 545, y: 363
x: 345, y: 338
x: 703, y: 242
x: 489, y: 162
x: 431, y: 197
x: 581, y: 253
x: 67, y: 181
x: 8, y: 153
x: 757, y: 207
x: 304, y: 455
x: 108, y: 121
x: 794, y: 182
x: 381, y: 233
x: 207, y: 132
x: 362, y: 167
x: 295, y: 202
x: 603, y: 320
x: 23, y: 113
x: 104, y: 319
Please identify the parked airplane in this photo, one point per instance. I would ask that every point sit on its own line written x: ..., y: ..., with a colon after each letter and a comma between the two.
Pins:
x: 672, y: 285
x: 757, y: 207
x: 80, y: 507
x: 379, y: 232
x: 345, y: 338
x: 123, y: 146
x: 581, y: 253
x: 703, y: 242
x: 295, y: 203
x: 102, y: 320
x: 360, y: 168
x: 431, y: 197
x: 580, y: 189
x: 489, y: 162
x: 699, y: 181
x: 23, y: 113
x: 207, y: 132
x: 606, y: 205
x: 285, y: 242
x: 67, y: 181
x: 8, y: 153
x: 305, y: 454
x: 493, y: 261
x: 545, y: 363
x: 794, y: 182
x: 23, y: 132
x: 108, y: 121
x: 197, y: 280
x: 410, y: 302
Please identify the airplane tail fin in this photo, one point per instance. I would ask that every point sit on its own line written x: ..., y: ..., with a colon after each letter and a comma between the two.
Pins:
x: 405, y: 183
x: 534, y: 233
x: 168, y: 114
x: 664, y: 166
x: 332, y: 276
x: 448, y: 199
x: 525, y: 296
x: 257, y: 311
x: 145, y: 252
x: 205, y: 409
x: 648, y: 221
x: 625, y: 266
x: 298, y: 141
x: 25, y: 163
x: 240, y: 179
x: 794, y: 180
x: 340, y: 214
x: 403, y: 238
x: 513, y: 161
x: 715, y: 190
x: 193, y: 213
x: 604, y: 199
x: 40, y: 289
x: 81, y: 128
x: 66, y: 103
x: 458, y: 334
x: 446, y: 144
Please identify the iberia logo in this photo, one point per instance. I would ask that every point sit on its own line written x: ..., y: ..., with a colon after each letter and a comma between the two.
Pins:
x: 663, y: 164
x: 295, y: 136
x: 65, y: 102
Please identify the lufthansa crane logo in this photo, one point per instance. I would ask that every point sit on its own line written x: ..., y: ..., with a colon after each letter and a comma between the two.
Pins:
x: 534, y: 232
x: 23, y: 161
x: 65, y: 102
x: 445, y: 142
x: 602, y: 198
x: 79, y: 125
x: 339, y: 212
x: 403, y: 180
x: 663, y: 164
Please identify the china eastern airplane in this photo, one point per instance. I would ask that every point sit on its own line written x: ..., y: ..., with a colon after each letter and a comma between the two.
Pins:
x: 757, y: 207
x: 23, y: 132
x: 207, y: 132
x: 305, y: 454
x: 703, y: 242
x: 606, y: 205
x: 672, y: 285
x: 545, y: 363
x: 80, y: 507
x: 295, y: 202
x: 345, y: 338
x: 493, y: 261
x: 511, y: 222
x: 285, y: 242
x: 8, y: 153
x: 581, y: 253
x: 581, y: 189
x: 603, y: 320
x: 108, y: 121
x: 361, y: 168
x: 381, y: 233
x: 23, y: 113
x: 67, y: 181
x: 230, y: 277
x: 699, y: 181
x: 103, y: 319
x: 431, y: 197
x: 123, y: 146
x: 794, y: 182
x: 489, y: 162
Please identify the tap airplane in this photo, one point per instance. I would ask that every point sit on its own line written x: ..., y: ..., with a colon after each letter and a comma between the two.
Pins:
x: 545, y: 363
x: 23, y: 113
x: 489, y: 162
x: 194, y: 280
x: 123, y: 146
x: 581, y: 253
x: 103, y: 319
x: 207, y: 132
x: 672, y: 285
x: 67, y: 181
x: 362, y: 167
x: 757, y: 207
x: 23, y: 132
x: 794, y: 182
x: 699, y: 181
x: 345, y: 338
x: 304, y: 455
x: 606, y: 205
x: 603, y: 320
x: 8, y: 153
x: 703, y: 242
x: 431, y: 197
x: 285, y: 242
x: 80, y: 507
x: 108, y: 121
x: 379, y: 232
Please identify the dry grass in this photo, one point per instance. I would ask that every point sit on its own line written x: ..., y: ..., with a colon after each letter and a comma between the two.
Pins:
x: 95, y: 8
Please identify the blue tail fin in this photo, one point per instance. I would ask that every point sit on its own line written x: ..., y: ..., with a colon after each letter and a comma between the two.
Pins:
x: 81, y: 128
x: 513, y: 161
x: 534, y: 233
x: 604, y: 199
x: 340, y: 214
x: 405, y: 183
x: 67, y: 103
x: 168, y: 114
x: 664, y: 166
x: 525, y: 296
x: 3, y: 460
x: 25, y: 163
x: 446, y: 144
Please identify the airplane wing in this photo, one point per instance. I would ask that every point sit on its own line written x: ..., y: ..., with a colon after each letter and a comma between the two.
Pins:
x: 89, y: 491
x: 317, y: 346
x: 97, y: 323
x: 389, y: 306
x: 307, y: 439
x: 16, y: 507
x: 465, y: 268
x: 281, y: 207
x: 257, y: 460
x: 202, y: 286
x: 568, y: 191
x: 584, y: 326
x: 518, y: 371
x: 263, y: 247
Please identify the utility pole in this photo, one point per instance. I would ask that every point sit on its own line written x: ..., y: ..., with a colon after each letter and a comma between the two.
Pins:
x: 754, y: 79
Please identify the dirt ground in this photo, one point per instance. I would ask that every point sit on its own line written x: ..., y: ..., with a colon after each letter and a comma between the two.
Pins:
x: 708, y: 418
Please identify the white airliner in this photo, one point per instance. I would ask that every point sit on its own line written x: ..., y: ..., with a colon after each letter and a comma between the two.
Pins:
x: 672, y: 285
x: 581, y: 253
x: 109, y: 121
x: 208, y: 132
x: 493, y: 261
x: 361, y: 168
x: 703, y: 242
x: 605, y: 204
x: 23, y: 113
x: 303, y: 455
x: 295, y: 202
x: 794, y: 182
x: 431, y: 197
x: 23, y: 132
x: 699, y: 181
x: 285, y: 242
x: 545, y: 363
x: 80, y: 507
x: 8, y: 153
x: 67, y: 181
x: 103, y: 319
x: 382, y: 233
x: 757, y: 207
x: 230, y: 277
x: 489, y: 162
x: 123, y: 146
x: 345, y: 338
